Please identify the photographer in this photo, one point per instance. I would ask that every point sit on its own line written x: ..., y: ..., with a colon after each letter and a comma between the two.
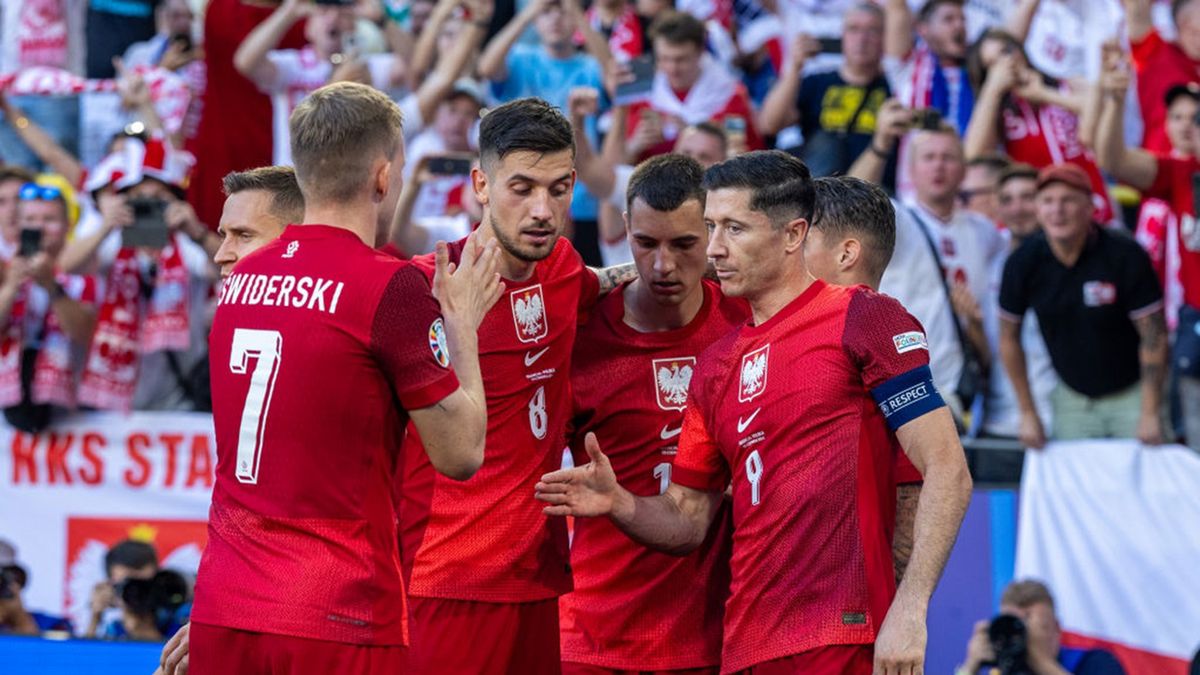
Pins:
x: 125, y: 560
x: 1025, y: 639
x: 150, y: 329
x: 14, y: 618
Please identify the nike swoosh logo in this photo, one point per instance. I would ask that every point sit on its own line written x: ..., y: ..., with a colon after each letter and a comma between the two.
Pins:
x: 742, y: 424
x: 532, y: 357
x: 668, y: 433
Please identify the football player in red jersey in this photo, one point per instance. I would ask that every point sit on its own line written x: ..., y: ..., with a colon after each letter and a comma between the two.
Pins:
x: 487, y: 565
x: 633, y: 609
x: 322, y: 351
x: 850, y: 242
x: 794, y: 408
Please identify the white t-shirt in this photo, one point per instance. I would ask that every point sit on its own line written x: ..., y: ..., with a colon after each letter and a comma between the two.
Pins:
x: 967, y: 244
x: 1001, y: 415
x: 299, y: 72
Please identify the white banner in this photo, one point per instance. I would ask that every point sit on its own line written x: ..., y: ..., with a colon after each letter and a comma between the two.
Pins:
x: 1113, y: 528
x: 67, y: 495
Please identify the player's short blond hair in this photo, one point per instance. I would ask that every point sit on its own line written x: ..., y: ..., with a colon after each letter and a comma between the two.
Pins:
x: 338, y: 132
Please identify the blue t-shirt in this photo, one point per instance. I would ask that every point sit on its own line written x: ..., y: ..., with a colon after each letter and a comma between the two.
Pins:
x: 533, y: 72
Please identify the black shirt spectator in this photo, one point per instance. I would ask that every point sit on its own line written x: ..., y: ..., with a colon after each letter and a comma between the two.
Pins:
x: 1085, y: 311
x: 838, y: 120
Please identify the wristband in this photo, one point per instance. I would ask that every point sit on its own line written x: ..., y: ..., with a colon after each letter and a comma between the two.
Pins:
x: 879, y: 153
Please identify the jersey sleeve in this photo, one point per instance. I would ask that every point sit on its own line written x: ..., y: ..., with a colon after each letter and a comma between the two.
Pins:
x: 1014, y: 294
x: 1142, y: 293
x: 891, y: 352
x: 699, y: 463
x: 408, y: 337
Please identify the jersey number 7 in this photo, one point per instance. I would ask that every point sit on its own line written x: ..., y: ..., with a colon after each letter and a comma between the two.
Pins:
x: 266, y: 348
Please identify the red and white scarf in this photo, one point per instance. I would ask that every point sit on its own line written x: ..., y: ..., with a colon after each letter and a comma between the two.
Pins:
x: 53, y: 379
x: 626, y: 40
x: 127, y: 326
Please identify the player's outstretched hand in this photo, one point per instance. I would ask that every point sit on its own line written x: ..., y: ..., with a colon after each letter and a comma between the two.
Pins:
x: 468, y: 290
x: 588, y: 490
x: 174, y: 659
x: 900, y: 645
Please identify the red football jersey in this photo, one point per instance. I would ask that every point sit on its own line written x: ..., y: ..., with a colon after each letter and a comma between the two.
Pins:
x: 1174, y: 184
x: 486, y: 539
x: 318, y: 346
x: 785, y: 410
x: 633, y: 608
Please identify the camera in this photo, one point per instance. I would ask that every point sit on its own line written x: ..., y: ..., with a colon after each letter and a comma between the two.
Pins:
x: 159, y: 597
x: 926, y: 119
x: 1009, y: 642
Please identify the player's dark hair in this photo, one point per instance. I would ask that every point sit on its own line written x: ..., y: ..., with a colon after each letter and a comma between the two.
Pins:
x: 287, y: 202
x: 781, y: 185
x: 679, y: 28
x: 1015, y: 171
x: 848, y: 207
x: 665, y: 182
x: 526, y: 124
x: 927, y: 10
x: 130, y: 553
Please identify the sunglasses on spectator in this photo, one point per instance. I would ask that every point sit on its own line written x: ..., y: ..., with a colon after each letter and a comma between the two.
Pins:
x: 31, y: 192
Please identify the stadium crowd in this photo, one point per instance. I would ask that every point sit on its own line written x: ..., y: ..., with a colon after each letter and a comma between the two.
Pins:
x: 1039, y: 154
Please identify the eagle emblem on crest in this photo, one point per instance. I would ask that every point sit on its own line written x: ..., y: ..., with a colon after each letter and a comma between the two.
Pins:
x: 529, y: 313
x: 671, y: 380
x: 754, y: 374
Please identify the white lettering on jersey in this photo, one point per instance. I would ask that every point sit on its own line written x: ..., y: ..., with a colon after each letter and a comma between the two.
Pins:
x: 276, y: 291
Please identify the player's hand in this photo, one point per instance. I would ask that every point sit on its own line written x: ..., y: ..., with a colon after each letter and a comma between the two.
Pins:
x: 174, y: 659
x: 1149, y: 430
x: 1030, y: 432
x: 468, y: 290
x: 585, y: 491
x: 900, y: 645
x: 979, y: 649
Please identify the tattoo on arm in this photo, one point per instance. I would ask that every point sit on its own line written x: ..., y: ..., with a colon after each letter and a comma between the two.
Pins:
x: 906, y: 518
x: 1152, y: 329
x: 611, y: 277
x: 1153, y: 352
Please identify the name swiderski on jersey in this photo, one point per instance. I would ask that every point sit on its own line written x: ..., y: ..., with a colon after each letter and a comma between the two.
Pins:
x: 282, y: 290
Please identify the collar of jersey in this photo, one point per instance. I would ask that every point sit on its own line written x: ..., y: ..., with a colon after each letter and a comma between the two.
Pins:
x: 615, y: 314
x: 317, y: 232
x: 788, y: 310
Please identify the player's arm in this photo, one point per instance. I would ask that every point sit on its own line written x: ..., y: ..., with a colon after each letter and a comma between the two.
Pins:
x: 453, y: 429
x: 931, y: 442
x: 675, y: 522
x: 907, y: 496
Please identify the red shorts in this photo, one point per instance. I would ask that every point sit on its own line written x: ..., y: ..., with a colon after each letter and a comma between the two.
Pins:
x: 831, y: 660
x: 215, y: 650
x: 569, y: 668
x: 464, y: 636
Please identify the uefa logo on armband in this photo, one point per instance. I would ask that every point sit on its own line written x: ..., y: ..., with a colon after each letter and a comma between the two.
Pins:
x: 437, y: 343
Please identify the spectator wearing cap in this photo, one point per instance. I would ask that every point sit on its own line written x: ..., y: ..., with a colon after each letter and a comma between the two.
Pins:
x: 447, y: 147
x: 1101, y: 312
x: 1169, y: 178
x: 150, y: 329
x: 47, y: 316
x: 1162, y: 64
